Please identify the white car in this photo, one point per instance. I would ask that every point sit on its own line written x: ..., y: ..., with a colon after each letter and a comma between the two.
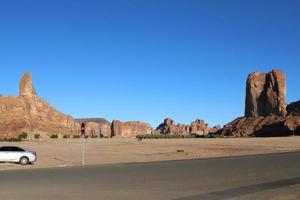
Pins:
x: 17, y: 155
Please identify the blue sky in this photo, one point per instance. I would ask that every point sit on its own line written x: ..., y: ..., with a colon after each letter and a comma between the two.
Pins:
x: 145, y: 59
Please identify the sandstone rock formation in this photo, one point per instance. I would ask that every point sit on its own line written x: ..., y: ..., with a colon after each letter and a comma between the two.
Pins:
x: 265, y: 94
x: 129, y: 129
x: 96, y: 126
x: 26, y: 86
x: 31, y: 114
x: 257, y: 126
x: 198, y: 127
x: 293, y: 119
x: 293, y: 109
x: 266, y: 112
x: 169, y: 126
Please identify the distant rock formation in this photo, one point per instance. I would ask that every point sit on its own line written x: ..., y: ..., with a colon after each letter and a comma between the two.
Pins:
x: 266, y: 112
x: 96, y: 126
x: 198, y: 127
x: 170, y: 127
x: 129, y: 129
x: 31, y: 114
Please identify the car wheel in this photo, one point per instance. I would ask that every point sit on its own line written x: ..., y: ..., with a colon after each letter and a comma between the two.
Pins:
x: 24, y: 161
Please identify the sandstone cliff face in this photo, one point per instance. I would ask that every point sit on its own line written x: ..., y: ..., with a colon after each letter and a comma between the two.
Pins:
x: 266, y: 112
x: 129, y: 129
x: 30, y: 113
x: 265, y: 94
x: 257, y: 126
x: 26, y: 86
x: 96, y: 126
x: 169, y: 126
x: 198, y: 127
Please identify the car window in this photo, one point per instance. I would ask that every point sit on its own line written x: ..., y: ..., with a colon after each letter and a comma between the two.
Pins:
x: 16, y: 149
x: 4, y: 148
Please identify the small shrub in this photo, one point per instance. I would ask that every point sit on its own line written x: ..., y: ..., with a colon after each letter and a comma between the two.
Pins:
x: 10, y: 140
x: 139, y: 137
x: 54, y: 136
x: 76, y: 136
x: 37, y: 136
x: 169, y: 136
x: 66, y: 136
x: 22, y: 136
x: 94, y: 136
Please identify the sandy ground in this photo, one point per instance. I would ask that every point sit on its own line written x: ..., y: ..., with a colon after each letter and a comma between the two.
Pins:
x: 68, y: 152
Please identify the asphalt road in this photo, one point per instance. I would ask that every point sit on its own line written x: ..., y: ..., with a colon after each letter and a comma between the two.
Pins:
x: 251, y: 177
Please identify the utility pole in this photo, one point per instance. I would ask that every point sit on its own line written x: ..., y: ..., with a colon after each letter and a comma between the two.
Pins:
x: 82, y: 129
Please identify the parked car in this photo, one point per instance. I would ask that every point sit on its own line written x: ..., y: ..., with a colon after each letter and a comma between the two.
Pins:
x: 17, y: 155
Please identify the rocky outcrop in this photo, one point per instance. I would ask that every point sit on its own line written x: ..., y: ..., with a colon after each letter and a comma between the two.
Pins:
x: 32, y: 114
x: 266, y: 112
x: 293, y: 118
x: 99, y: 127
x: 26, y: 87
x: 293, y: 109
x: 129, y: 129
x: 170, y: 127
x: 265, y: 94
x: 257, y: 127
x: 198, y: 127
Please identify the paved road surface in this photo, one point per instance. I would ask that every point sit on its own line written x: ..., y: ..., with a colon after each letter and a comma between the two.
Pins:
x: 251, y: 177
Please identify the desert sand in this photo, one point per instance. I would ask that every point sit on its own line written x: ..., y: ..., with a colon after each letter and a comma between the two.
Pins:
x: 68, y: 152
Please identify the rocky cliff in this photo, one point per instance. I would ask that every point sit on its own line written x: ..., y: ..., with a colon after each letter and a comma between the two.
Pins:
x: 265, y: 94
x: 32, y: 114
x: 96, y: 126
x: 129, y: 129
x: 266, y: 111
x: 199, y: 127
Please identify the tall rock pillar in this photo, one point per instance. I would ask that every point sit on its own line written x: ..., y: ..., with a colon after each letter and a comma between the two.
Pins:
x: 266, y: 94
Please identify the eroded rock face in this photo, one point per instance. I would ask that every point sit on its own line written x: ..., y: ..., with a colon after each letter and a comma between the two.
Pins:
x: 26, y: 86
x: 198, y: 127
x: 294, y: 109
x: 293, y: 124
x: 96, y: 126
x: 169, y: 126
x: 293, y: 118
x: 265, y: 94
x: 257, y: 126
x: 31, y: 114
x: 129, y: 129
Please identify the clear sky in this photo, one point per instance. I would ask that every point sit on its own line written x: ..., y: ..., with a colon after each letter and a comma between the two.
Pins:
x: 148, y: 59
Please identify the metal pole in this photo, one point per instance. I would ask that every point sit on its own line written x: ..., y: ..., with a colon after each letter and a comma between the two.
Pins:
x: 83, y: 149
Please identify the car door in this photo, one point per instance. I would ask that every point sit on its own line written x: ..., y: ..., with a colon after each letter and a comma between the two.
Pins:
x: 4, y: 154
x: 15, y: 153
